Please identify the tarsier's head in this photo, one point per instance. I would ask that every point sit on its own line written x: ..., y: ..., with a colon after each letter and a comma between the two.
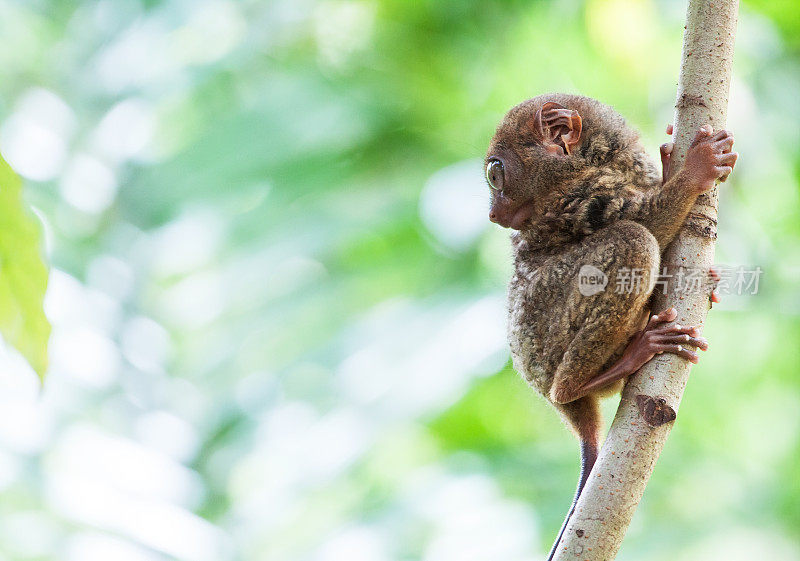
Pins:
x: 540, y: 148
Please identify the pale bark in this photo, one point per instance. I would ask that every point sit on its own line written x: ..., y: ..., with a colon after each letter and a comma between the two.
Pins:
x: 630, y: 451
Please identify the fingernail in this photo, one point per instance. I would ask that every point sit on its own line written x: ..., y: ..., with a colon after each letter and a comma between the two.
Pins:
x: 677, y: 326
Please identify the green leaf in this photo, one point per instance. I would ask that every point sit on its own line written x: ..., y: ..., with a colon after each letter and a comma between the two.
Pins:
x: 23, y: 275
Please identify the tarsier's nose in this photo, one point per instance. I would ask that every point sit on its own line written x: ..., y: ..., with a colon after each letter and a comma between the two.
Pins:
x: 499, y: 217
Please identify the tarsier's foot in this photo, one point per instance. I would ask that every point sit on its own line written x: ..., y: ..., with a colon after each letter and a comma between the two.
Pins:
x: 654, y: 339
x: 657, y: 338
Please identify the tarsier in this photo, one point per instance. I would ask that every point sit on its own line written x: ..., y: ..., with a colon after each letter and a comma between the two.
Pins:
x: 574, y: 182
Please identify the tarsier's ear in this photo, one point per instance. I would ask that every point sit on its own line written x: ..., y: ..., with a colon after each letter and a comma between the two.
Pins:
x: 557, y: 128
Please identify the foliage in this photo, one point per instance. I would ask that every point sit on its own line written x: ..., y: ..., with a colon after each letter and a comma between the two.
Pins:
x: 23, y: 275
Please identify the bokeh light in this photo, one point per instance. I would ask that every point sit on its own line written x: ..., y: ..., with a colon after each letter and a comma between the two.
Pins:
x: 278, y: 305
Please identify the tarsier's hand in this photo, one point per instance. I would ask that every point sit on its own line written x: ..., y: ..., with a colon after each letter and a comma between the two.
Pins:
x: 709, y: 158
x: 713, y: 277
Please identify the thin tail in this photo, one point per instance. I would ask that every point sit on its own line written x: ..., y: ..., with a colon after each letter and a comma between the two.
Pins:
x: 583, y: 416
x: 588, y: 457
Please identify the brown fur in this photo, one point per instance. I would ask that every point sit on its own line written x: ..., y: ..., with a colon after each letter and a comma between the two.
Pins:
x: 573, y: 178
x: 598, y: 206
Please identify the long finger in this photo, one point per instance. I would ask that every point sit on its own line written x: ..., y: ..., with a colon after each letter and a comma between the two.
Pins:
x: 724, y: 145
x: 680, y: 351
x: 727, y: 159
x: 677, y: 329
x: 699, y: 342
x: 723, y: 172
x: 664, y: 317
x: 666, y: 152
x: 704, y: 132
x: 722, y: 133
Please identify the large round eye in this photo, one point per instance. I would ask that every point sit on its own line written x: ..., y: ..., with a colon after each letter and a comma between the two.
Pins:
x: 494, y: 174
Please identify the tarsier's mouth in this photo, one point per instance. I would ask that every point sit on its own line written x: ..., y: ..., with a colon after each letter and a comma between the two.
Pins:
x: 521, y: 216
x: 509, y: 215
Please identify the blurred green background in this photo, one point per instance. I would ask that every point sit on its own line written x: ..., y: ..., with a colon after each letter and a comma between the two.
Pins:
x: 278, y: 305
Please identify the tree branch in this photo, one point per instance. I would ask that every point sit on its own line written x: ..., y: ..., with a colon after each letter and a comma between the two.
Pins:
x: 642, y: 422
